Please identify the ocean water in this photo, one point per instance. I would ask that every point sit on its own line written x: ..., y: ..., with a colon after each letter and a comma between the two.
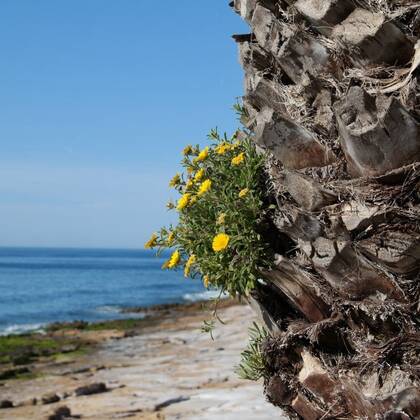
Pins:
x: 39, y: 286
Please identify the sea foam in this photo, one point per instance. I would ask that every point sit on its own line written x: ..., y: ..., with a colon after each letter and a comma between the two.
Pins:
x: 206, y: 295
x: 22, y: 329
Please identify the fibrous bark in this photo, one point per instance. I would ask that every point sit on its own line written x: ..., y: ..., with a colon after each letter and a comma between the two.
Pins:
x: 332, y: 95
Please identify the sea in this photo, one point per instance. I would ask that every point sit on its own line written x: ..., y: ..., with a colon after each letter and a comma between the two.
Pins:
x: 43, y: 285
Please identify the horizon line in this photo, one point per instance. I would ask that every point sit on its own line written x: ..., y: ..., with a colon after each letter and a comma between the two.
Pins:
x: 111, y: 248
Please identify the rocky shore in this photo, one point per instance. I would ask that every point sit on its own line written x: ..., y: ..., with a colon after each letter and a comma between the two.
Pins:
x: 159, y: 367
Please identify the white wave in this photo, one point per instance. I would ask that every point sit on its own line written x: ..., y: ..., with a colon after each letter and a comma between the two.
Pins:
x: 109, y: 309
x: 206, y: 295
x: 22, y: 328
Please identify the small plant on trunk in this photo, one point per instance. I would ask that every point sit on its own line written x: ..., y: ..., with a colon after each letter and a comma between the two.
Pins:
x: 221, y: 208
x: 252, y: 366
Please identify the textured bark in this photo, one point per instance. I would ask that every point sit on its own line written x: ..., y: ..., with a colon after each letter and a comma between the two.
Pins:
x: 376, y: 140
x: 379, y: 41
x: 332, y: 94
x: 291, y: 144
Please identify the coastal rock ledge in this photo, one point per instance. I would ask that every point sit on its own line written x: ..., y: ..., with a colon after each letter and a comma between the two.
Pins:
x: 166, y: 369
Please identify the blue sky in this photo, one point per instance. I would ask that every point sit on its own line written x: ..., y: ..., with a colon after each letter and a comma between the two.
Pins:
x: 97, y: 99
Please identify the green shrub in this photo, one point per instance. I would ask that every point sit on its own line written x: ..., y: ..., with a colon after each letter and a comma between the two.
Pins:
x: 252, y: 365
x: 221, y: 208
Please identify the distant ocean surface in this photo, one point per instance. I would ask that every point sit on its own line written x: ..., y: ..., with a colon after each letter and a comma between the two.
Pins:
x: 39, y: 286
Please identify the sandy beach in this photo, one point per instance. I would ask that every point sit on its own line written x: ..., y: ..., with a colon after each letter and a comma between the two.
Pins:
x: 167, y: 370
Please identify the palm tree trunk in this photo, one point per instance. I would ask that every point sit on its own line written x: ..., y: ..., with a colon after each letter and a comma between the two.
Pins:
x: 331, y: 92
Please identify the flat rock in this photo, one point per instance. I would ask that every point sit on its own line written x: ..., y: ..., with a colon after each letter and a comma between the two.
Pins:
x: 169, y: 402
x: 60, y: 413
x: 50, y: 398
x: 95, y: 388
x: 11, y: 373
x: 6, y: 404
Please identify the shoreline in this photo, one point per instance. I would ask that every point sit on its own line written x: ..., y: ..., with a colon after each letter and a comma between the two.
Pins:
x: 161, y: 366
x: 59, y: 338
x: 121, y: 313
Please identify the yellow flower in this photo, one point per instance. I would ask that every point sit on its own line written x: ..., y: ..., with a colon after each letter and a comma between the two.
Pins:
x: 202, y: 155
x: 206, y: 281
x: 220, y: 242
x: 170, y: 238
x: 175, y: 181
x: 199, y: 175
x: 187, y: 150
x: 193, y: 200
x: 221, y: 219
x: 174, y: 260
x: 191, y: 260
x: 190, y: 169
x: 243, y: 192
x: 237, y: 160
x: 189, y: 184
x: 183, y: 201
x: 222, y: 148
x: 204, y: 187
x: 152, y: 242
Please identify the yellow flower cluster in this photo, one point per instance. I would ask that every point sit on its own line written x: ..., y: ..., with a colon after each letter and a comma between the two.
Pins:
x: 152, y: 242
x: 203, y: 155
x: 187, y: 150
x: 174, y: 260
x: 220, y: 242
x: 170, y: 239
x: 187, y: 269
x: 222, y: 148
x: 199, y: 175
x: 204, y: 187
x: 183, y: 201
x: 193, y: 200
x: 221, y: 219
x: 237, y: 160
x: 175, y: 181
x: 206, y: 172
x: 243, y: 192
